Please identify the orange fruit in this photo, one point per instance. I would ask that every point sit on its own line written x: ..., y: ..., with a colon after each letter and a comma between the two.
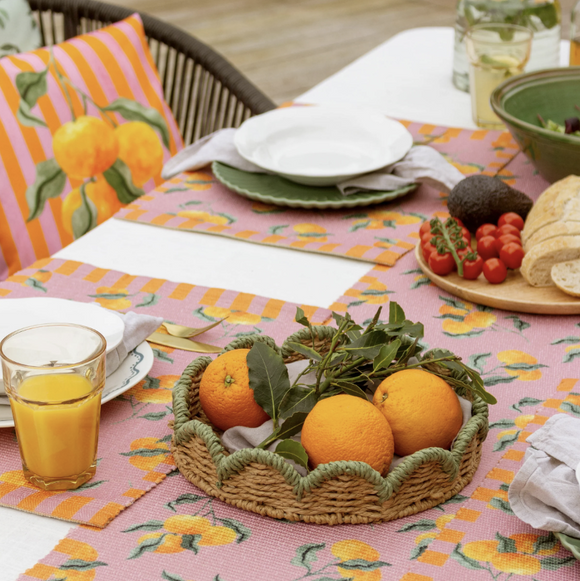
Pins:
x: 141, y: 149
x: 345, y: 427
x: 85, y: 147
x: 421, y: 408
x: 225, y: 393
x: 100, y: 193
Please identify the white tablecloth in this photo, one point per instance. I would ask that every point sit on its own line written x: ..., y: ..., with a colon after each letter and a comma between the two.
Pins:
x: 407, y: 77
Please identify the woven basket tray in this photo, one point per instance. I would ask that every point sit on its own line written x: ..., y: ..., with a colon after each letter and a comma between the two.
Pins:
x: 339, y: 492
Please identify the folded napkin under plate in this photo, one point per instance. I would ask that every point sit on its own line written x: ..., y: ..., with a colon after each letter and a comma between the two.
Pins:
x: 422, y: 164
x: 137, y: 329
x: 545, y: 492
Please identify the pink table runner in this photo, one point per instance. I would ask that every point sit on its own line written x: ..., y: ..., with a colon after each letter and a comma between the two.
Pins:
x: 380, y: 234
x: 134, y: 439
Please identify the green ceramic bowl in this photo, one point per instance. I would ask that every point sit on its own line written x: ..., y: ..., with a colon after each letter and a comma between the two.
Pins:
x: 552, y: 93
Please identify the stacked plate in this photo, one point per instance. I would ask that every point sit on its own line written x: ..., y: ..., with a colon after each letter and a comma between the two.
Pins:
x: 307, y: 150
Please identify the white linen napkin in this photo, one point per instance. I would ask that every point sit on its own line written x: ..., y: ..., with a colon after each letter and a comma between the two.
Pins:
x: 421, y: 165
x: 137, y: 328
x: 545, y: 492
x: 240, y: 437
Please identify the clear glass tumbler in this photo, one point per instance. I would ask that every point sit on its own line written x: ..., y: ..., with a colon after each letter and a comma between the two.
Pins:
x: 54, y: 376
x: 496, y: 52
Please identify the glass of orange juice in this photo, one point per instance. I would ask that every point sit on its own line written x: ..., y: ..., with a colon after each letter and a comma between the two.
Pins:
x: 54, y: 375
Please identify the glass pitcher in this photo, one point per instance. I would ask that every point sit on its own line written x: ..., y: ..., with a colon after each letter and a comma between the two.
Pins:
x: 543, y: 17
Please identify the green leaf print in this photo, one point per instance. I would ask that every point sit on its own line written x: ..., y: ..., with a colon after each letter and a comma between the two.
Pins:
x: 571, y: 408
x: 49, y: 183
x: 31, y: 86
x: 161, y: 355
x: 571, y: 355
x: 465, y: 561
x: 81, y: 565
x: 170, y: 576
x: 151, y: 525
x: 154, y: 416
x: 501, y: 504
x: 149, y: 301
x: 189, y: 542
x: 547, y: 543
x: 35, y: 284
x: 307, y: 554
x: 84, y: 218
x: 187, y: 498
x: 518, y: 323
x: 554, y: 563
x: 566, y: 340
x: 359, y: 226
x: 496, y: 379
x: 363, y: 565
x: 27, y: 118
x: 506, y: 441
x: 478, y: 361
x: 420, y: 525
x: 505, y: 544
x: 146, y: 546
x: 526, y: 402
x: 92, y: 484
x: 119, y: 177
x: 417, y: 551
x: 243, y: 532
x: 524, y: 366
x: 134, y: 111
x: 277, y: 229
x: 502, y: 424
x: 146, y: 452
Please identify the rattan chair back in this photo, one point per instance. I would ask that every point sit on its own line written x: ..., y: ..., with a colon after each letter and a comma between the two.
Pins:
x: 205, y: 92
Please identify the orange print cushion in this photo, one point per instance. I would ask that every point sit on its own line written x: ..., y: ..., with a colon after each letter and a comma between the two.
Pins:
x: 84, y: 131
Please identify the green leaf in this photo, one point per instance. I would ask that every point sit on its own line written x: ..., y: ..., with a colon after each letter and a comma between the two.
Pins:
x: 307, y: 554
x: 362, y: 565
x: 91, y: 484
x: 465, y: 561
x: 505, y: 544
x: 293, y: 450
x: 161, y: 355
x: 151, y: 525
x: 31, y: 86
x: 350, y: 389
x: 49, y: 183
x: 367, y: 346
x: 289, y: 428
x: 496, y: 379
x: 189, y: 543
x: 569, y: 407
x: 518, y: 323
x: 153, y: 416
x: 478, y: 360
x: 84, y: 218
x: 27, y: 118
x: 134, y: 111
x: 170, y: 576
x: 118, y: 176
x: 502, y: 424
x: 526, y: 402
x: 417, y: 551
x: 396, y: 313
x: 386, y: 355
x: 524, y: 366
x: 554, y: 563
x: 571, y: 355
x: 546, y: 542
x: 243, y: 532
x: 35, y: 284
x: 501, y: 504
x: 146, y: 452
x: 187, y: 498
x: 570, y: 340
x: 149, y: 301
x: 297, y: 399
x: 421, y: 525
x: 506, y: 441
x: 146, y: 546
x: 268, y: 378
x: 304, y: 350
x: 81, y: 565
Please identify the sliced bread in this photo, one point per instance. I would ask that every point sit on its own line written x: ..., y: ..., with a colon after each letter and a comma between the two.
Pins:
x: 566, y: 276
x: 568, y: 228
x: 537, y: 264
x: 561, y: 201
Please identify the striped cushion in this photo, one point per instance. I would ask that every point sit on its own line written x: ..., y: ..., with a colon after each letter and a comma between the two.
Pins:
x: 84, y: 129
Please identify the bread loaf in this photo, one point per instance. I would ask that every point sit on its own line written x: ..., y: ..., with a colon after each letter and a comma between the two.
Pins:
x: 566, y: 276
x: 560, y: 202
x: 537, y: 264
x: 553, y: 230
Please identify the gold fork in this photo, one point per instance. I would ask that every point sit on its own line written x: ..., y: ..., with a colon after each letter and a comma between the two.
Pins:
x: 188, y: 332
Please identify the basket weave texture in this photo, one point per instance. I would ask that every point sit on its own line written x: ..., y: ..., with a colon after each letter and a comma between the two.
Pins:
x: 339, y: 492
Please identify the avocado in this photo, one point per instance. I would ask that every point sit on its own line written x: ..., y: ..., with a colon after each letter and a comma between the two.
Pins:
x: 480, y: 199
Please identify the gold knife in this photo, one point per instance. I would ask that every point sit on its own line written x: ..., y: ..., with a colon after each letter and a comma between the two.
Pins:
x: 183, y: 344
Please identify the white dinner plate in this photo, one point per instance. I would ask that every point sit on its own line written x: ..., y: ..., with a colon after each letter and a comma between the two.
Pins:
x: 133, y: 369
x: 18, y: 313
x: 322, y: 145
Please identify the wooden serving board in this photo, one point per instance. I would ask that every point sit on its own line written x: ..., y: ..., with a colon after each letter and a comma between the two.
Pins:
x: 514, y: 294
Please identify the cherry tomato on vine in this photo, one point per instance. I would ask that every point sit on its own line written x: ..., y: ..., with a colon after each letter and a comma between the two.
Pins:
x: 459, y: 222
x: 485, y: 230
x: 512, y: 255
x: 425, y: 227
x: 466, y: 233
x: 508, y: 229
x: 472, y: 268
x: 441, y: 264
x: 486, y: 247
x: 426, y: 238
x: 494, y: 270
x: 511, y: 218
x: 506, y: 239
x: 428, y: 249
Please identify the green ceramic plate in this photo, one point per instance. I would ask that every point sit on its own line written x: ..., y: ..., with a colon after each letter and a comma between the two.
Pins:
x: 570, y: 543
x: 273, y: 189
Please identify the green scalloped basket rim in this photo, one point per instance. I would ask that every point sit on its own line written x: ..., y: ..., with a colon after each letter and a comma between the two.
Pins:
x: 227, y: 465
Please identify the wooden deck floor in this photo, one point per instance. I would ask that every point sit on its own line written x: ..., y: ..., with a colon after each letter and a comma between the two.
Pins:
x: 287, y: 46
